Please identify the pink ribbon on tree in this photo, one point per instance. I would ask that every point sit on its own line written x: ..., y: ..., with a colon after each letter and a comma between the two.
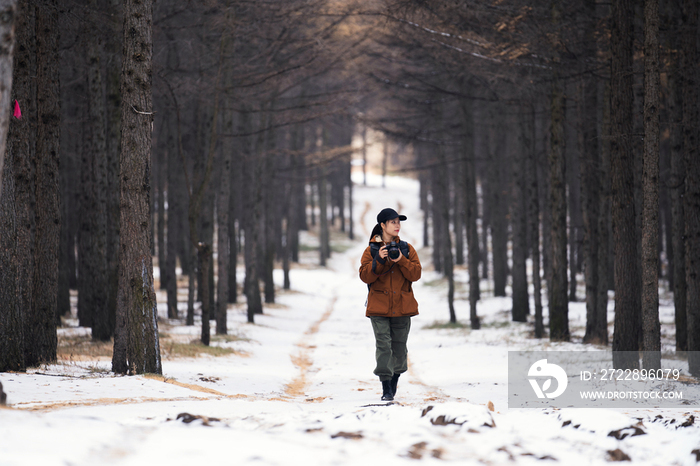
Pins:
x: 18, y: 112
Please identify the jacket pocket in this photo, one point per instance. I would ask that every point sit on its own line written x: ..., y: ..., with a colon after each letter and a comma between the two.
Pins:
x: 409, y: 305
x: 378, y: 302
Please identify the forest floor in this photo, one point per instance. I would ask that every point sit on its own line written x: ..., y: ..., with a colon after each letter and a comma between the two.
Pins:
x: 297, y: 386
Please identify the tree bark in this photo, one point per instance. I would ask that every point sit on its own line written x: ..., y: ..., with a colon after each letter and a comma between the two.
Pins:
x: 534, y: 221
x: 21, y: 152
x: 558, y: 304
x: 471, y: 212
x: 650, y: 214
x: 94, y: 281
x: 223, y: 237
x: 136, y: 343
x: 691, y: 207
x: 596, y: 327
x: 48, y: 194
x: 8, y: 17
x: 676, y: 188
x: 626, y: 336
x: 521, y: 301
x: 11, y: 313
x: 204, y: 256
x: 604, y: 268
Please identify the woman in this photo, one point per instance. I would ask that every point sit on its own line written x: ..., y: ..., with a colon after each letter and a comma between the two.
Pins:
x: 389, y: 266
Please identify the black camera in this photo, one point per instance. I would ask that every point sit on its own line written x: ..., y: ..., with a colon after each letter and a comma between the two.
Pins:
x: 393, y: 250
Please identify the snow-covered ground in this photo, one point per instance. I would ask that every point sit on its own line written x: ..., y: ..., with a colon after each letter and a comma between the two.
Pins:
x: 300, y: 388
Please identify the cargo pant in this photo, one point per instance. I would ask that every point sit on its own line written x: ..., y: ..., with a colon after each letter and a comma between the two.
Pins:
x: 391, y: 335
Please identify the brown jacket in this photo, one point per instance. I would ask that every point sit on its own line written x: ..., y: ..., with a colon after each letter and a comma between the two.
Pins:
x: 390, y: 293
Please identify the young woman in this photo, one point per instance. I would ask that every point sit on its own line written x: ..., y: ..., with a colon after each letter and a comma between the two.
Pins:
x: 389, y: 266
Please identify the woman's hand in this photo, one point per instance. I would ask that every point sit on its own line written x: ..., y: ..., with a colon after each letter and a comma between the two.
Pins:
x: 383, y: 253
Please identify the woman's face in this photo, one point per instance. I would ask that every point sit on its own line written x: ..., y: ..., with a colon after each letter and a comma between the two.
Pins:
x: 392, y: 227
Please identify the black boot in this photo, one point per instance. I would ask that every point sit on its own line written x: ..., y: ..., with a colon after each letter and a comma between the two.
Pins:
x: 394, y: 383
x: 386, y: 388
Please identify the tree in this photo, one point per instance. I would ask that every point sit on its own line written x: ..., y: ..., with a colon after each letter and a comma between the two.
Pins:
x: 691, y: 207
x: 558, y: 305
x: 47, y: 194
x: 626, y: 336
x: 8, y: 11
x: 650, y: 214
x: 136, y: 343
x: 471, y: 213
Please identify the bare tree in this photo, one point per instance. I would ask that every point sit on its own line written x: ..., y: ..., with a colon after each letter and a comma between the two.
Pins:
x: 8, y: 11
x: 691, y: 207
x: 48, y: 212
x: 626, y: 337
x: 136, y: 342
x: 650, y: 214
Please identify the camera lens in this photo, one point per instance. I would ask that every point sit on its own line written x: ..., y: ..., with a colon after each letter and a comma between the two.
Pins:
x: 393, y: 250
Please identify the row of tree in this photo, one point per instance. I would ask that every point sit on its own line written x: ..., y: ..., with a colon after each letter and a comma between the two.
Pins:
x: 525, y: 121
x: 580, y: 152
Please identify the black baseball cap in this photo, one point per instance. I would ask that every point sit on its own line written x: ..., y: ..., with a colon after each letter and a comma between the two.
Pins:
x: 388, y: 214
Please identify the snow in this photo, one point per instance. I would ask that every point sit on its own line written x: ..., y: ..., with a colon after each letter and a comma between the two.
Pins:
x: 300, y: 388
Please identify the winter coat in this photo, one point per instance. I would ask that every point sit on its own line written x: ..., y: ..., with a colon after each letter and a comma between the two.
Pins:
x: 390, y: 291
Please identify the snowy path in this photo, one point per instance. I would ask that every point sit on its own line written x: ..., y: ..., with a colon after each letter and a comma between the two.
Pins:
x: 302, y: 390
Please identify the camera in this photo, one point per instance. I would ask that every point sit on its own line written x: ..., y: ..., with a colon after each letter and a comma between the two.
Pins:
x: 393, y: 250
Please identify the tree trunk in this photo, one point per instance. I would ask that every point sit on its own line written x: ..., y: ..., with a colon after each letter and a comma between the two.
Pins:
x: 113, y: 48
x: 136, y: 343
x: 223, y: 237
x: 534, y: 220
x: 604, y: 223
x: 626, y: 336
x: 691, y: 207
x: 596, y: 329
x: 650, y: 214
x: 11, y: 313
x: 176, y: 188
x: 676, y: 188
x: 21, y: 153
x: 471, y: 212
x: 48, y: 194
x: 94, y: 281
x: 442, y: 195
x: 520, y: 300
x: 498, y: 192
x: 558, y: 304
x: 204, y: 256
x: 8, y: 17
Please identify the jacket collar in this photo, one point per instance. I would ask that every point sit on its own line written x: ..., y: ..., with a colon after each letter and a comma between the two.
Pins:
x: 378, y: 239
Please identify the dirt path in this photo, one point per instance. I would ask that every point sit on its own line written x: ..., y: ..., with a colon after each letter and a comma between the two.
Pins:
x: 303, y: 359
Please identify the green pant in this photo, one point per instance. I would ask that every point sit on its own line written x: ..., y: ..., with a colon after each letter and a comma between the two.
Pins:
x: 391, y: 335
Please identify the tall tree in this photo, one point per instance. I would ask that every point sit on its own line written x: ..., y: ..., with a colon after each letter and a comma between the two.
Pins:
x: 48, y: 211
x: 558, y: 305
x: 650, y: 214
x: 626, y: 336
x: 223, y: 239
x: 676, y: 180
x: 8, y: 14
x: 136, y: 343
x: 471, y: 210
x: 518, y: 216
x: 691, y: 207
x: 94, y: 278
x: 596, y: 324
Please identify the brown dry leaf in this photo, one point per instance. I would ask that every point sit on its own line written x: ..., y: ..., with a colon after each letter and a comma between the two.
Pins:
x: 350, y: 435
x: 618, y: 455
